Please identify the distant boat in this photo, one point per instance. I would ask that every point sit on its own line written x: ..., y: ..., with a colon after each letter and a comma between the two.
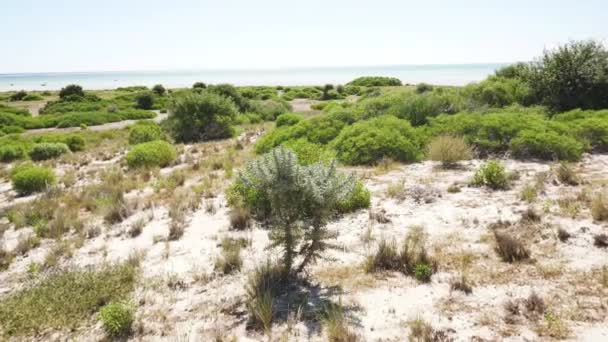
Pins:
x: 43, y: 84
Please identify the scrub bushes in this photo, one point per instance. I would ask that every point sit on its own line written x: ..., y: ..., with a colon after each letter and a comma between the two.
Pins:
x: 201, y: 117
x: 366, y: 142
x: 145, y: 131
x: 44, y: 151
x: 30, y: 178
x: 374, y: 81
x: 546, y: 145
x: 288, y: 120
x: 151, y: 154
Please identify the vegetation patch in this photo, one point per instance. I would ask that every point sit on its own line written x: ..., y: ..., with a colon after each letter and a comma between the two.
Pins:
x: 68, y: 297
x: 151, y: 154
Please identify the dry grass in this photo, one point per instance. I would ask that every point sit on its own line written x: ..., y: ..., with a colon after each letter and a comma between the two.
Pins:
x: 26, y: 244
x: 449, y: 150
x: 599, y: 207
x: 566, y: 174
x: 240, y: 218
x: 529, y: 193
x: 335, y: 323
x: 397, y: 190
x: 230, y: 260
x: 347, y: 277
x: 509, y: 248
x: 563, y: 234
x: 600, y: 240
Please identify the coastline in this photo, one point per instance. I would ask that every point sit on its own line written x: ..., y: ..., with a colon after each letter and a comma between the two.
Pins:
x: 440, y: 74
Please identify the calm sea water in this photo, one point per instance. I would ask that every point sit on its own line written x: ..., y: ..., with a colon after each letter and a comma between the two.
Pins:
x: 454, y: 74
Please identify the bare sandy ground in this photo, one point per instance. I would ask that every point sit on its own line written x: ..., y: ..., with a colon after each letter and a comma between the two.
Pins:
x: 203, y: 304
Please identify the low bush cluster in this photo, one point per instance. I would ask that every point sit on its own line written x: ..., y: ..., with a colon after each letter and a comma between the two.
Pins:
x: 493, y: 175
x: 29, y: 178
x: 375, y: 81
x: 151, y: 154
x: 144, y: 131
x: 44, y: 151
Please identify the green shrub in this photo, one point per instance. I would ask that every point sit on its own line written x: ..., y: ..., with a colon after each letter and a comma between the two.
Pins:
x: 69, y: 297
x: 116, y: 318
x: 18, y: 96
x: 493, y: 175
x: 29, y: 178
x: 269, y: 110
x: 288, y: 120
x: 144, y: 132
x: 369, y: 141
x: 309, y: 153
x: 423, y: 88
x: 297, y: 194
x: 374, y: 81
x: 360, y: 198
x: 230, y: 92
x: 159, y: 90
x: 11, y: 152
x: 71, y: 90
x: 206, y: 116
x: 423, y: 272
x: 44, y: 151
x: 74, y: 142
x: 574, y: 75
x: 151, y: 154
x: 546, y: 145
x: 199, y: 85
x: 144, y: 101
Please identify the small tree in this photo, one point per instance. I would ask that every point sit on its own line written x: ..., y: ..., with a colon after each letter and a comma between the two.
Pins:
x: 199, y: 85
x: 159, y: 90
x: 574, y: 75
x: 201, y: 117
x: 144, y: 100
x: 71, y: 90
x: 301, y: 199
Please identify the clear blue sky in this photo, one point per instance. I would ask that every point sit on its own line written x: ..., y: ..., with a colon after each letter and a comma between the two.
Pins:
x: 83, y: 35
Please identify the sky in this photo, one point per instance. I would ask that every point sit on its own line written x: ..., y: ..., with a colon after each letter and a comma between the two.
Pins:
x: 113, y: 35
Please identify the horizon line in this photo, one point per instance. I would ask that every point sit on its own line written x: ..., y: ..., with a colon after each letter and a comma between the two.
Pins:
x: 243, y: 69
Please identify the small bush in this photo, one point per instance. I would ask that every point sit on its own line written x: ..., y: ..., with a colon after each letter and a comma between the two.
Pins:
x: 151, y: 154
x: 44, y: 151
x: 18, y: 96
x: 563, y: 234
x: 199, y: 85
x: 288, y: 120
x: 159, y: 90
x: 360, y: 198
x: 367, y: 142
x: 546, y: 146
x: 423, y: 88
x: 117, y: 318
x: 449, y: 150
x: 32, y: 178
x: 71, y: 90
x: 529, y: 193
x: 493, y: 175
x: 509, y: 248
x: 141, y: 133
x: 144, y: 101
x: 423, y: 272
x: 206, y: 116
x: 12, y: 152
x: 386, y: 257
x: 374, y: 81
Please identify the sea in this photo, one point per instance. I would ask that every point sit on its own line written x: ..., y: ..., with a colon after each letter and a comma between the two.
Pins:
x: 445, y: 74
